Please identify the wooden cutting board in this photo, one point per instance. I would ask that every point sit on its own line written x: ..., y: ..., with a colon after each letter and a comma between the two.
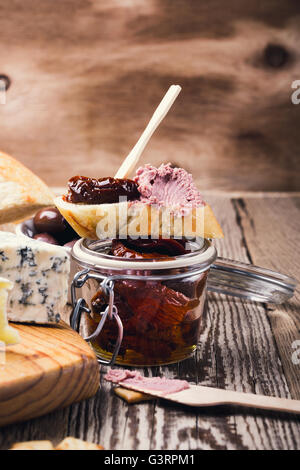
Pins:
x: 51, y: 368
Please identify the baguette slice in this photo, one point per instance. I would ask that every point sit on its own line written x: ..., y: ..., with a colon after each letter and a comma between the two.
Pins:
x: 71, y: 443
x: 99, y: 221
x: 131, y: 396
x: 22, y: 193
x: 33, y: 445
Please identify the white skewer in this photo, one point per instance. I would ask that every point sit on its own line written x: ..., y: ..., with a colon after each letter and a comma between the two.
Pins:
x: 159, y: 114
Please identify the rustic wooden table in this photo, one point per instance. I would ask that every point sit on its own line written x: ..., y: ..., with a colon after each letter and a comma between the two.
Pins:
x: 244, y: 346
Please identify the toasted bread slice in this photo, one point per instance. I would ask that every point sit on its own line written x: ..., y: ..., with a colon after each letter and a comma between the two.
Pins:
x: 131, y: 396
x: 33, y: 445
x: 22, y: 193
x: 98, y: 221
x: 71, y: 443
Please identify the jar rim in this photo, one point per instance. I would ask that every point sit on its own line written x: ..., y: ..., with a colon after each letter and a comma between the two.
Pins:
x: 84, y: 252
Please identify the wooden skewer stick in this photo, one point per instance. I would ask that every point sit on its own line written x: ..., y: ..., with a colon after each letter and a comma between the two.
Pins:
x: 159, y: 114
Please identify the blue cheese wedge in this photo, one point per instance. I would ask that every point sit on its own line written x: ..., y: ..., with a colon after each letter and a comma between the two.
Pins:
x: 8, y: 335
x: 40, y: 274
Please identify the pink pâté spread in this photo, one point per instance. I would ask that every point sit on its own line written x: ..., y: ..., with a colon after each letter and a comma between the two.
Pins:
x: 156, y: 384
x: 168, y: 186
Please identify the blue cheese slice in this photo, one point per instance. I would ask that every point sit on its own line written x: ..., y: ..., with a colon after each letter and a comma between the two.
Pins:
x: 8, y: 335
x: 40, y: 274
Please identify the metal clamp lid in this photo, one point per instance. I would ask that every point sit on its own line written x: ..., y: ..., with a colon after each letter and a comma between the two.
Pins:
x: 111, y: 311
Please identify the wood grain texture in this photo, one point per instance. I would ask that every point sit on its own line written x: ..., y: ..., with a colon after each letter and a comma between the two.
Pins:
x: 85, y: 77
x: 51, y: 368
x: 272, y: 229
x: 237, y: 351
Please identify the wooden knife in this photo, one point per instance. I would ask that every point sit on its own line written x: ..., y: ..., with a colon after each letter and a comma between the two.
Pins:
x: 198, y: 395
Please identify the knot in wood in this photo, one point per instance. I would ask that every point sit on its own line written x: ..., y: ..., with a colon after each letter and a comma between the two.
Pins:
x: 276, y: 56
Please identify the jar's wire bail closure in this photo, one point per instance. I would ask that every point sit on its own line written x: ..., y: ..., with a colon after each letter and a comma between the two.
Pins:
x: 111, y: 312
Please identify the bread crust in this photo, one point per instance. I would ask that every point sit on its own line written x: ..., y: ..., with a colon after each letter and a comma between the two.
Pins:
x: 137, y: 219
x: 33, y: 445
x: 22, y: 193
x: 71, y: 443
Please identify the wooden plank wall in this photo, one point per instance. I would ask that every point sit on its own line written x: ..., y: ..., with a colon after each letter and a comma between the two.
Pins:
x: 83, y: 78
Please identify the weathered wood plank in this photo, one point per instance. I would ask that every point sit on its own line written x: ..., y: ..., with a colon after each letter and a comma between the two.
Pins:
x: 87, y: 107
x: 272, y: 232
x: 236, y: 351
x: 245, y: 352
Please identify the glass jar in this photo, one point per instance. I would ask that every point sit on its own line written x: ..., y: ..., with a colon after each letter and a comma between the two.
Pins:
x: 137, y: 312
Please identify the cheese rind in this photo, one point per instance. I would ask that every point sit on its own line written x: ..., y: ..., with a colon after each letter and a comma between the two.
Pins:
x: 8, y: 334
x: 40, y: 274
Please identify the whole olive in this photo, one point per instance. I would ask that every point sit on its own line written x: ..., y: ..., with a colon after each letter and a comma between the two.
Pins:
x: 49, y: 220
x: 46, y: 237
